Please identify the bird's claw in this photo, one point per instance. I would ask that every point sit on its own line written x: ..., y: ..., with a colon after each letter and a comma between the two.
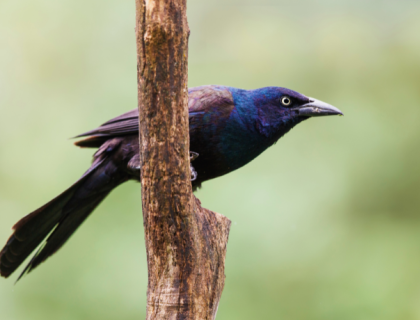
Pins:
x: 193, y: 173
x: 193, y: 156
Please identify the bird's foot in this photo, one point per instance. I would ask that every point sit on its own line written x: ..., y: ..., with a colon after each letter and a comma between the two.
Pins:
x: 193, y: 173
x: 193, y: 155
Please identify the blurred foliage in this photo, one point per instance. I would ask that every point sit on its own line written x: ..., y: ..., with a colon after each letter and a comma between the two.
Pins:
x: 326, y: 224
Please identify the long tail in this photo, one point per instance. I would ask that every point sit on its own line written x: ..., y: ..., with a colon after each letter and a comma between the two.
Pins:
x: 60, y: 217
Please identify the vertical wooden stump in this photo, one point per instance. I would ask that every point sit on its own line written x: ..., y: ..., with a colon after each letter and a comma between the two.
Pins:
x: 185, y: 243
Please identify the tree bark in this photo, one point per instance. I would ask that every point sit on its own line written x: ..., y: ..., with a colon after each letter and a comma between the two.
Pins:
x: 185, y: 243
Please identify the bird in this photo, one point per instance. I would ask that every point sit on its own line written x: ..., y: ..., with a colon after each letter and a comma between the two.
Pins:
x: 228, y: 128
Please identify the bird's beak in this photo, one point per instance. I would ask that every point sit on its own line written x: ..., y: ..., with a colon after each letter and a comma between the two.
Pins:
x: 317, y: 108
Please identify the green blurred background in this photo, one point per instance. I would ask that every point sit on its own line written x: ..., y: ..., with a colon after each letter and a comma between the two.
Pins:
x: 326, y: 223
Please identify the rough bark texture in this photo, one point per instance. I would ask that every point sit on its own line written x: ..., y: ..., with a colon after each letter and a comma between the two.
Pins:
x: 185, y: 244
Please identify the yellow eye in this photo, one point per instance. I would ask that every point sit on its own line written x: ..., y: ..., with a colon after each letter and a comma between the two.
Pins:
x: 286, y: 101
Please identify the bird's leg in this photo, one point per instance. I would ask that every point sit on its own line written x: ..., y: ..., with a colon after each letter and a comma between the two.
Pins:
x: 193, y: 156
x: 193, y: 173
x: 134, y: 164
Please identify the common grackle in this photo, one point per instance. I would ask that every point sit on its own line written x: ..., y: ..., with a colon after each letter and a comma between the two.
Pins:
x: 229, y: 127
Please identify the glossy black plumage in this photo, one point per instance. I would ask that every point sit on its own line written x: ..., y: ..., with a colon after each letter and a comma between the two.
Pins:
x: 228, y: 128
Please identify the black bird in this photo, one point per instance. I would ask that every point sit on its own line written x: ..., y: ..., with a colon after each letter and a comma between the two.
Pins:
x: 229, y: 127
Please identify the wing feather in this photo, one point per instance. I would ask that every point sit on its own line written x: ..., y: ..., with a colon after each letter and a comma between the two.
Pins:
x: 202, y: 100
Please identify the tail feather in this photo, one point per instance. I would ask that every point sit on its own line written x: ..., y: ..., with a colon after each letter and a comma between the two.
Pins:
x: 31, y: 230
x: 60, y: 218
x: 64, y: 229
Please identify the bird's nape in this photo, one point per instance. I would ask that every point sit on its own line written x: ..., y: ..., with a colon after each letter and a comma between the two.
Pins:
x: 228, y: 128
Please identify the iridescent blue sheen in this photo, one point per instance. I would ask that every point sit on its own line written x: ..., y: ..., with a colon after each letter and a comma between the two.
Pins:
x: 229, y: 127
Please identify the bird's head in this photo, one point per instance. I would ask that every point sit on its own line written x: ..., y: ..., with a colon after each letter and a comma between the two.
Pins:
x: 279, y: 109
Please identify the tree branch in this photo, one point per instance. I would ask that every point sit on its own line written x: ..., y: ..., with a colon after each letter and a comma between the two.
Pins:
x: 185, y: 244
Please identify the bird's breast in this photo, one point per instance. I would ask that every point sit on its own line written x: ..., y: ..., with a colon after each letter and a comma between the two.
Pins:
x: 224, y: 150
